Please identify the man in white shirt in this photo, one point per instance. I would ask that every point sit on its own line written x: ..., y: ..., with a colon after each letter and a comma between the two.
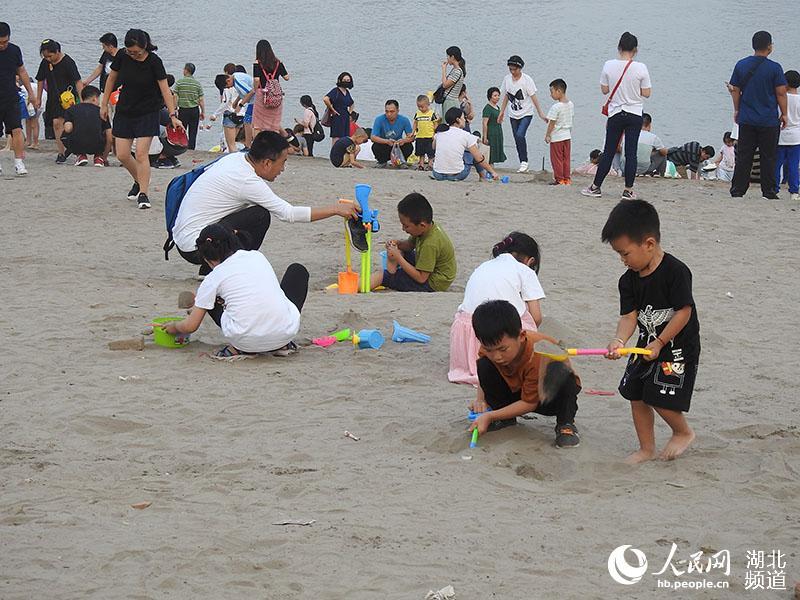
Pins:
x: 519, y: 90
x: 234, y: 192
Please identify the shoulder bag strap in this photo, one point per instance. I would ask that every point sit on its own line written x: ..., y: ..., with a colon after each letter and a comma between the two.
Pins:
x: 746, y: 79
x: 614, y: 91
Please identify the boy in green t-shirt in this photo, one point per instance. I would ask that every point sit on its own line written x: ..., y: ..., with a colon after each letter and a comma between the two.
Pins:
x: 426, y: 261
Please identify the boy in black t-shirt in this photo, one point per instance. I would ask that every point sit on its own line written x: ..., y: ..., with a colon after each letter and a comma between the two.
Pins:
x: 656, y: 293
x: 346, y: 149
x: 85, y: 132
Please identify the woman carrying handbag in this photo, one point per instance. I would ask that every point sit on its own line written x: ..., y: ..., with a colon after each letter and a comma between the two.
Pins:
x: 624, y: 107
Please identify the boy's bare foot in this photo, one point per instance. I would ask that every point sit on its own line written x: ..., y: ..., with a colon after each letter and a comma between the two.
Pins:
x: 640, y: 457
x: 676, y: 445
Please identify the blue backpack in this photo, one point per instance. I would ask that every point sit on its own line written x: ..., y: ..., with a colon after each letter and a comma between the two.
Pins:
x: 176, y: 190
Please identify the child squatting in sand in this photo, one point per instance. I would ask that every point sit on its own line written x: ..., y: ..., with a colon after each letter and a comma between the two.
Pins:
x: 656, y: 293
x: 514, y: 379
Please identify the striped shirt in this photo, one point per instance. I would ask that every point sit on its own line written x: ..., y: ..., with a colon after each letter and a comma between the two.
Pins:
x: 687, y: 155
x: 189, y: 92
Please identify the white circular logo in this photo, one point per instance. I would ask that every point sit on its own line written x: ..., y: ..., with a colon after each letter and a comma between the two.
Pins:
x: 621, y: 570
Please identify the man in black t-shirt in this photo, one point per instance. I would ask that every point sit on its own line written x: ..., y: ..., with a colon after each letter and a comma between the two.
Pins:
x: 62, y: 77
x: 85, y: 132
x: 108, y: 41
x: 655, y: 293
x: 11, y: 66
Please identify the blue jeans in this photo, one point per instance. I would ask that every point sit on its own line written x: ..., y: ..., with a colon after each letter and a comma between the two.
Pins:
x: 789, y: 160
x: 519, y: 127
x: 620, y: 124
x: 455, y: 177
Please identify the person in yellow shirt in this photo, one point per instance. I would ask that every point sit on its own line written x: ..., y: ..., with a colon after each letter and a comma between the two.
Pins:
x: 423, y: 128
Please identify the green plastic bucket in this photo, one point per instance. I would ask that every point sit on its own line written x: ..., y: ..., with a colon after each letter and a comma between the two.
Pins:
x: 162, y: 338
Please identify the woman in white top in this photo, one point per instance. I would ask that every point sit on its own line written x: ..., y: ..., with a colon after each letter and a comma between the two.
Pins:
x: 627, y: 84
x: 231, y: 121
x: 519, y: 89
x: 450, y: 142
x: 512, y: 276
x: 243, y: 297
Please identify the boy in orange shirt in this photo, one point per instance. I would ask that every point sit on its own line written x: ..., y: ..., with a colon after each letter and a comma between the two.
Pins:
x: 515, y: 380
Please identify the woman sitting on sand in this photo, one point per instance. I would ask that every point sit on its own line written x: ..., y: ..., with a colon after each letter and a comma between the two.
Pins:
x: 242, y: 295
x: 450, y: 143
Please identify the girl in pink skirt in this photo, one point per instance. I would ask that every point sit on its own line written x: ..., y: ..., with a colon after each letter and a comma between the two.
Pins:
x: 266, y: 69
x: 511, y: 275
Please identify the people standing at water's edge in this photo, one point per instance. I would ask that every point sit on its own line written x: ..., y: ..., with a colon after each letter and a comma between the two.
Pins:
x: 390, y: 130
x: 339, y: 103
x: 231, y: 120
x: 144, y: 91
x: 492, y: 130
x: 454, y: 70
x: 758, y: 91
x: 268, y: 104
x: 234, y: 191
x: 191, y: 104
x: 63, y: 87
x: 789, y: 141
x: 243, y: 83
x: 108, y: 41
x: 11, y: 67
x: 309, y: 121
x: 424, y: 127
x: 559, y: 132
x: 626, y: 83
x: 519, y: 96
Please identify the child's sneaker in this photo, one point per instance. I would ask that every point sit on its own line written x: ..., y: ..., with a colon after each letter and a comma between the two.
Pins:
x: 592, y: 192
x: 523, y: 167
x: 81, y: 160
x: 99, y: 161
x: 143, y: 201
x: 61, y: 159
x: 628, y: 195
x: 567, y: 436
x: 358, y: 234
x: 19, y: 168
x: 134, y: 193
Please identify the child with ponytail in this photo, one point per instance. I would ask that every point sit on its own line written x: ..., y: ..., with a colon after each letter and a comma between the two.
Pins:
x: 511, y: 275
x: 243, y: 297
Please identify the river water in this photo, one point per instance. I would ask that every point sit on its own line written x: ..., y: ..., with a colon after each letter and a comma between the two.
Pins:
x: 394, y: 50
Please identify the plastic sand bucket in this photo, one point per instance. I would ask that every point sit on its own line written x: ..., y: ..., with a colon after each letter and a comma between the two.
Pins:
x: 368, y: 338
x: 348, y: 282
x: 162, y: 338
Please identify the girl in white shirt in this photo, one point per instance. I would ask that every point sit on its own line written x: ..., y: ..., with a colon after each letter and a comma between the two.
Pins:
x: 511, y: 275
x: 242, y: 295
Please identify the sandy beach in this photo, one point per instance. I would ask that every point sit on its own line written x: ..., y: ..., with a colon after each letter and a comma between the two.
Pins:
x: 222, y: 451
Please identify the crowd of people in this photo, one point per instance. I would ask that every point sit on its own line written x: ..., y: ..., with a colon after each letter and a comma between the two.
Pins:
x: 764, y: 101
x: 224, y: 214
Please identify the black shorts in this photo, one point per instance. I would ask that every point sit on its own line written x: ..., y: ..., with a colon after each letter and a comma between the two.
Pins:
x: 10, y: 117
x: 130, y: 128
x: 424, y: 146
x: 660, y: 384
x: 400, y: 281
